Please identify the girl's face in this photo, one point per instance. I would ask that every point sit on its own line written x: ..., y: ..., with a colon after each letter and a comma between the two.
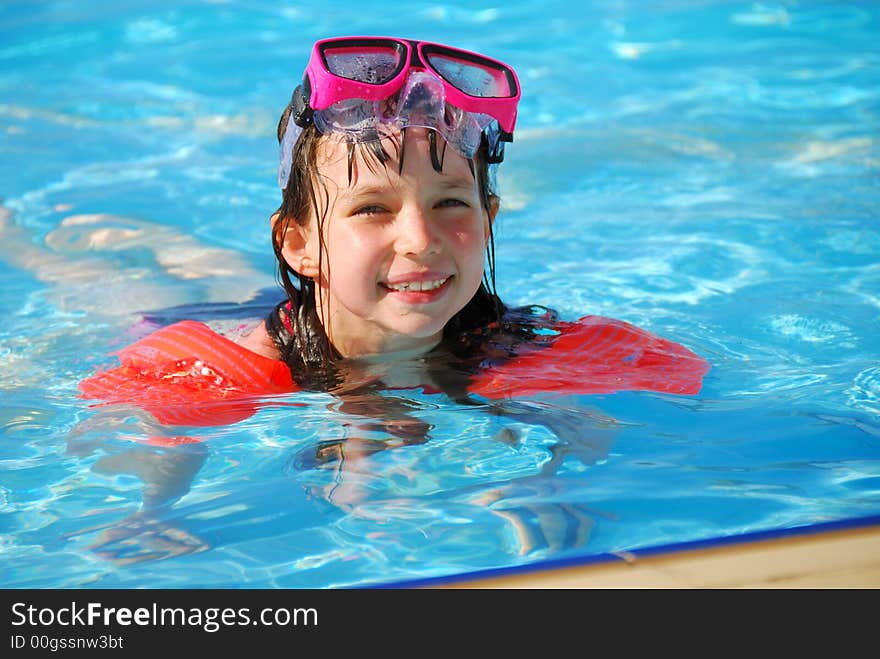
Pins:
x: 404, y: 251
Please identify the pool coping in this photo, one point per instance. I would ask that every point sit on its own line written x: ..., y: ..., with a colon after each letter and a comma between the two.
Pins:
x: 812, y: 555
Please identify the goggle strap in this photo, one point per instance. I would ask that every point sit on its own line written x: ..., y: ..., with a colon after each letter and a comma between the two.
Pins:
x: 495, y: 142
x: 302, y: 113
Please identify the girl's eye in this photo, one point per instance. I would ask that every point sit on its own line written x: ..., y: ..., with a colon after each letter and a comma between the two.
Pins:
x: 452, y: 203
x: 369, y: 210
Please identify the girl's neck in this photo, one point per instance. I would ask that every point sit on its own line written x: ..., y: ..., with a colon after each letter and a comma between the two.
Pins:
x: 376, y: 351
x: 397, y: 355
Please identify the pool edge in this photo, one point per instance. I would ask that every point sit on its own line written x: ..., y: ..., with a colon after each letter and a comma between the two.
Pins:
x: 837, y: 554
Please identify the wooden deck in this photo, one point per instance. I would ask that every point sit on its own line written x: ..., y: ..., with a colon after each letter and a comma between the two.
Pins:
x: 848, y: 558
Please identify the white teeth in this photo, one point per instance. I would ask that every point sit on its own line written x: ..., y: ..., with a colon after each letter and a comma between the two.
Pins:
x: 419, y: 285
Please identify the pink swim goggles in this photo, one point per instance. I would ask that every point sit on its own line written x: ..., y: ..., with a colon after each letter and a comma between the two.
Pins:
x: 365, y: 87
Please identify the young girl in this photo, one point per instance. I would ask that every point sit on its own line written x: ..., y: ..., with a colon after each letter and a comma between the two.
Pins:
x: 385, y: 252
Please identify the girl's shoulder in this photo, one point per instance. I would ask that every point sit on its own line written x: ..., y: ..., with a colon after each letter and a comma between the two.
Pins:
x: 259, y: 341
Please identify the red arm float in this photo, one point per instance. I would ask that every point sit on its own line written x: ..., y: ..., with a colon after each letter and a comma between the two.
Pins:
x: 596, y: 355
x: 168, y: 371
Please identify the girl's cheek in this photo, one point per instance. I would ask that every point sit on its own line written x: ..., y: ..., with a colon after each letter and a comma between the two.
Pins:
x: 472, y: 235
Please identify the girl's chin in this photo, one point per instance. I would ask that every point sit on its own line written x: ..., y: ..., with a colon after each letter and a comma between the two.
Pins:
x: 415, y: 334
x: 410, y: 331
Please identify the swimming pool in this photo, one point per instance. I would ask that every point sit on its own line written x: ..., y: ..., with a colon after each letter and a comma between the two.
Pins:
x: 708, y: 173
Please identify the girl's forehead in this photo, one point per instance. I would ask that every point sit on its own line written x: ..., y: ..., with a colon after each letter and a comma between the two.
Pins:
x: 352, y: 165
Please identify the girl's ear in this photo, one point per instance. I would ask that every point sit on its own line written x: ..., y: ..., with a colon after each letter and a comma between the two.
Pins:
x: 298, y: 247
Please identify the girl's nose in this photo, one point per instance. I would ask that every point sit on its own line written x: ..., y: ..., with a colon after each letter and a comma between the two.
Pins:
x: 416, y: 234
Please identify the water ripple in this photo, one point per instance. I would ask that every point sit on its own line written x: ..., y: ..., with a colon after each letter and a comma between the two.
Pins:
x: 865, y: 392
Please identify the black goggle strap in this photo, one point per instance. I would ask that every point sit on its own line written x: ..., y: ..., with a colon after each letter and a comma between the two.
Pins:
x: 495, y: 139
x: 301, y: 113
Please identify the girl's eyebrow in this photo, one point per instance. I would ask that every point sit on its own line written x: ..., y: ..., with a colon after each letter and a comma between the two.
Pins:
x: 456, y: 183
x: 366, y: 191
x: 371, y: 190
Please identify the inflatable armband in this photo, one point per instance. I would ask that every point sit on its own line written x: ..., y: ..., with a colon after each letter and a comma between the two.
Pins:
x: 596, y: 355
x: 173, y: 368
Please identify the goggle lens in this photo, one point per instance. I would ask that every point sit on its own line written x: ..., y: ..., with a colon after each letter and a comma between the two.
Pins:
x: 375, y: 65
x: 473, y: 78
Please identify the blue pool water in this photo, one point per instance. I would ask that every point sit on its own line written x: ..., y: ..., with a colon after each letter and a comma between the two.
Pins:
x: 707, y: 171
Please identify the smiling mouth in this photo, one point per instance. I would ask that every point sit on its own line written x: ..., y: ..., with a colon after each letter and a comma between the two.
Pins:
x: 417, y: 286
